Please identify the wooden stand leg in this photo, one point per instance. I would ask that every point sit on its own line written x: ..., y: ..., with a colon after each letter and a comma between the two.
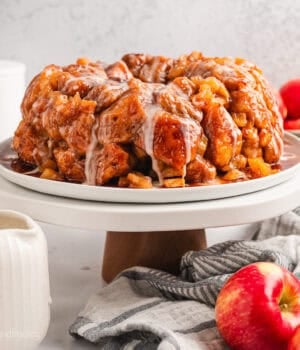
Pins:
x: 160, y: 250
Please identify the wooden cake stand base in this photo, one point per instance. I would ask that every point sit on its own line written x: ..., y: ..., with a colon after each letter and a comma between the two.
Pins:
x: 160, y: 250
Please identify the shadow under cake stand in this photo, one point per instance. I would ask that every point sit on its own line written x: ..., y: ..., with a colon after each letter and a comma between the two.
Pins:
x: 153, y: 235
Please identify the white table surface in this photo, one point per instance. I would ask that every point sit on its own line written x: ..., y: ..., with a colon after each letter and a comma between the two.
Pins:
x: 75, y: 274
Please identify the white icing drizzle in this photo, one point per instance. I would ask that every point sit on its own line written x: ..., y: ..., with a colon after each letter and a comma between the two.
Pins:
x: 151, y: 111
x: 189, y: 128
x: 235, y: 131
x: 235, y: 135
x: 89, y: 79
x: 113, y: 85
x: 44, y: 117
x: 90, y: 165
x: 278, y: 142
x: 41, y: 153
x: 31, y: 172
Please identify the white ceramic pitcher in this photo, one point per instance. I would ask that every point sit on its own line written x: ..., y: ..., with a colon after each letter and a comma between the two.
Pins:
x: 24, y: 282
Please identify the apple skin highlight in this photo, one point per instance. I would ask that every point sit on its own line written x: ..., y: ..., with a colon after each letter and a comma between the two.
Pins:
x: 259, y: 308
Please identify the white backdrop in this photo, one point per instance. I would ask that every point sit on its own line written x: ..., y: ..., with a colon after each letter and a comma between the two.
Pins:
x: 39, y: 32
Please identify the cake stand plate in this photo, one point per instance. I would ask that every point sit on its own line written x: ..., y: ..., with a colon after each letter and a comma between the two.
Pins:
x: 136, y: 231
x: 131, y: 217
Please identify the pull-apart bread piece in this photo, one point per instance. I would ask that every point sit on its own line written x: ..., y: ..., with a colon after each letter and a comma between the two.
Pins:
x: 151, y: 121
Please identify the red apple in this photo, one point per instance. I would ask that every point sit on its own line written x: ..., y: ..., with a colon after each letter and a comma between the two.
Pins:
x: 292, y: 124
x: 259, y: 308
x: 294, y: 343
x: 290, y: 93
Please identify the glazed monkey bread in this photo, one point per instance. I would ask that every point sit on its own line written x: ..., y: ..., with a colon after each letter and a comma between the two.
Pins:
x: 151, y: 120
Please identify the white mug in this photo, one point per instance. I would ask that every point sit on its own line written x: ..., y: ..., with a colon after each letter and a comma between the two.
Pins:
x: 24, y: 282
x: 12, y: 87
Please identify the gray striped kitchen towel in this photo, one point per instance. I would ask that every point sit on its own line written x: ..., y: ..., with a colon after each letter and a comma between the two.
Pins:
x: 149, y: 309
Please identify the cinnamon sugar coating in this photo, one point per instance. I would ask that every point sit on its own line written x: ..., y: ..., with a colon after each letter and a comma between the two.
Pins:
x: 151, y: 119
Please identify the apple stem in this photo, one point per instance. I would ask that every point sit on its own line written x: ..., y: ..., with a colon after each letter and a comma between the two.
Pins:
x: 283, y: 306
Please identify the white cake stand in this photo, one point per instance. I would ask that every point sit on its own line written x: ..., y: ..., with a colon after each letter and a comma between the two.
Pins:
x: 135, y: 230
x: 121, y: 217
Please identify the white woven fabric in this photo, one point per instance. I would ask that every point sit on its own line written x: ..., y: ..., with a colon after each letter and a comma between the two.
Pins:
x: 150, y: 309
